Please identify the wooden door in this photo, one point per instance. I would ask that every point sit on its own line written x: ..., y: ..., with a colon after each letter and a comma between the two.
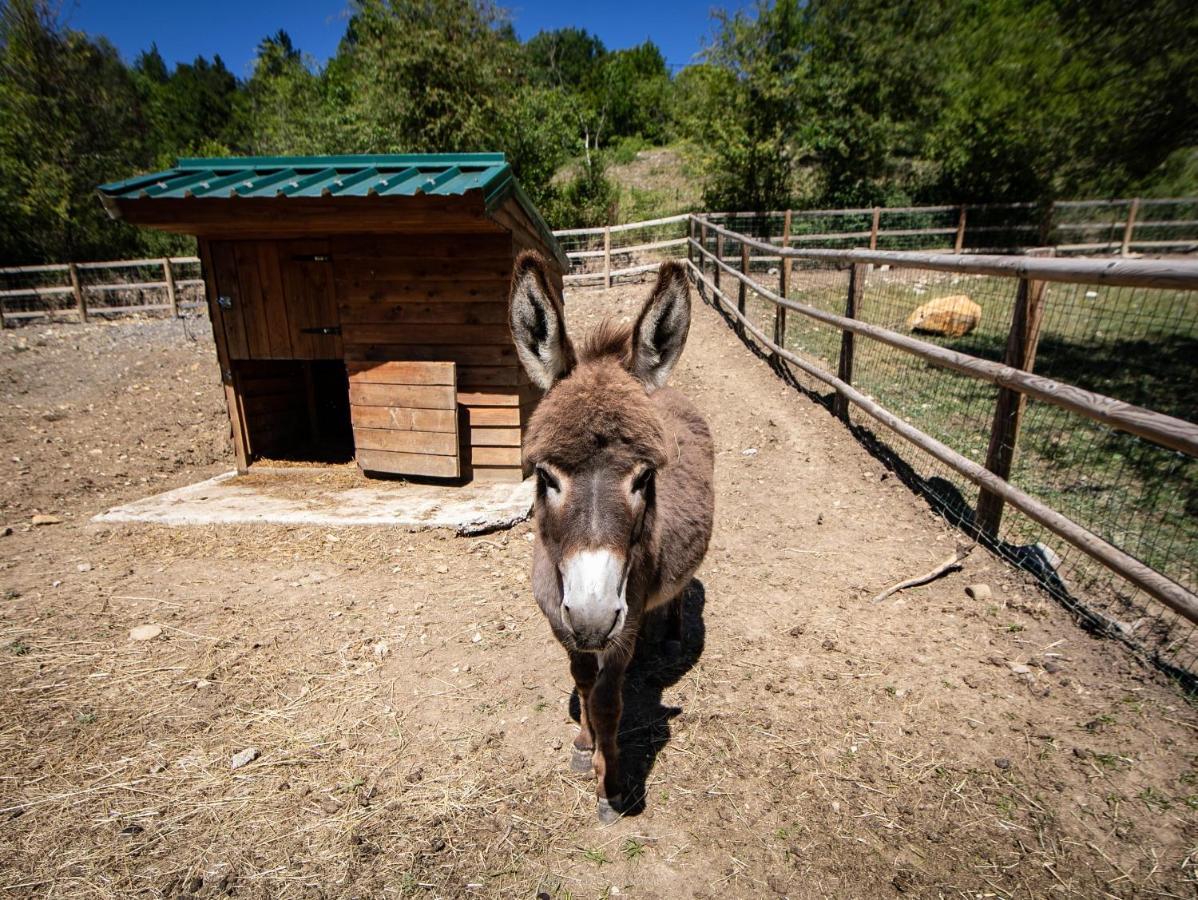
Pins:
x: 306, y: 272
x: 405, y: 417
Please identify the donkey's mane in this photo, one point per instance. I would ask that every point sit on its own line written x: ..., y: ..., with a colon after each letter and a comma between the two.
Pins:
x: 609, y: 338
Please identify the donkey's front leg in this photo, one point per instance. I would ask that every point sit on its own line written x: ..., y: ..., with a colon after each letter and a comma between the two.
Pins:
x: 584, y: 667
x: 606, y: 705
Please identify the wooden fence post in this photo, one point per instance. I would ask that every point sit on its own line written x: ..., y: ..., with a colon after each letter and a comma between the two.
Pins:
x: 77, y: 289
x: 719, y: 256
x: 742, y: 295
x: 170, y: 288
x: 703, y: 244
x: 607, y: 256
x: 783, y: 285
x: 844, y: 370
x: 873, y: 229
x: 690, y: 233
x: 1130, y: 227
x: 1022, y: 340
x: 960, y: 242
x: 1046, y: 223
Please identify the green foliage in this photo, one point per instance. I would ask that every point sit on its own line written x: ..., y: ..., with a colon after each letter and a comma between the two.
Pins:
x: 798, y: 102
x: 589, y: 198
x: 54, y: 146
x: 863, y: 102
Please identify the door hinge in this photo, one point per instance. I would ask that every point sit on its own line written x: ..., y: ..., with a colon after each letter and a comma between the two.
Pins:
x: 224, y: 301
x: 326, y: 329
x: 226, y: 376
x: 312, y: 257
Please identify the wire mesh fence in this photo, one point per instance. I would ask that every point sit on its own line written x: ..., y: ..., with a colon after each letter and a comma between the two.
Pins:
x: 1138, y: 345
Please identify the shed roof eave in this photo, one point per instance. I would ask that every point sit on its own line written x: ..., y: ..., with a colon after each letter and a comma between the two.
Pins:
x: 510, y: 189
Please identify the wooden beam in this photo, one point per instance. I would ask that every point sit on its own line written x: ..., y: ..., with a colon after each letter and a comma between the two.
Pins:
x: 873, y: 228
x: 1130, y: 227
x: 1022, y: 340
x: 960, y: 241
x: 607, y: 257
x: 171, y: 297
x: 840, y: 405
x: 719, y: 254
x: 77, y: 290
x: 744, y: 268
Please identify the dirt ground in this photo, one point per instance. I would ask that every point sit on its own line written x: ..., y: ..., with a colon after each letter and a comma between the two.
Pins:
x: 412, y: 714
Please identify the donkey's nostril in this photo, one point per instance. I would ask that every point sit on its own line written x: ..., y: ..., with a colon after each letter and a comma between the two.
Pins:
x: 614, y: 623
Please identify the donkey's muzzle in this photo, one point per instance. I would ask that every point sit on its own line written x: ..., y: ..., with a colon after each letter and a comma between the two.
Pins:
x: 593, y: 604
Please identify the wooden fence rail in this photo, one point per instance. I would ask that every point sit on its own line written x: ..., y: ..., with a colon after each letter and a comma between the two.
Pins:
x: 80, y: 290
x: 1012, y: 375
x: 965, y: 228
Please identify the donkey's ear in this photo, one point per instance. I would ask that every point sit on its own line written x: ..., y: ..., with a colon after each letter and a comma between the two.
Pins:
x: 538, y: 323
x: 660, y: 331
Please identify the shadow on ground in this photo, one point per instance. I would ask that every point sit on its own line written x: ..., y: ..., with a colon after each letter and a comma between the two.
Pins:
x: 645, y: 724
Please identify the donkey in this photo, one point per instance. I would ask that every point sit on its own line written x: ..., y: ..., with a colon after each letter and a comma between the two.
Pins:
x: 624, y: 499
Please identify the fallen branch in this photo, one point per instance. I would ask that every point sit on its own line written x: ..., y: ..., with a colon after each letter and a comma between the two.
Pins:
x: 950, y: 564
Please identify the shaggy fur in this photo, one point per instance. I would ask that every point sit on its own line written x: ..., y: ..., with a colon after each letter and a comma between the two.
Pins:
x: 629, y: 465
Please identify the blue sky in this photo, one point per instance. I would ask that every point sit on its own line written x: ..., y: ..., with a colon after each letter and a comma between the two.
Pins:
x: 232, y: 28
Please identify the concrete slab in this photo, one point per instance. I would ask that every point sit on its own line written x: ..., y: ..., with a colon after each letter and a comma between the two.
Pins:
x: 309, y: 497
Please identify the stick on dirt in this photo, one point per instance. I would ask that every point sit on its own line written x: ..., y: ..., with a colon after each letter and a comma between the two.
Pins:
x: 948, y: 565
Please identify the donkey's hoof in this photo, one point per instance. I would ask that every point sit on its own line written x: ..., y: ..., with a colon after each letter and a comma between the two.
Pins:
x: 608, y: 810
x: 673, y: 649
x: 582, y: 761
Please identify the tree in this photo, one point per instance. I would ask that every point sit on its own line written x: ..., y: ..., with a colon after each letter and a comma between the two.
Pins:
x: 285, y: 106
x: 71, y: 121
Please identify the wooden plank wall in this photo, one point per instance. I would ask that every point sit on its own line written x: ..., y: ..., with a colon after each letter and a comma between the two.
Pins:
x: 405, y: 417
x: 441, y: 297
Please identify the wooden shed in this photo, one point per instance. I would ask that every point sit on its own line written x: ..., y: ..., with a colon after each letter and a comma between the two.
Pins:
x: 359, y: 303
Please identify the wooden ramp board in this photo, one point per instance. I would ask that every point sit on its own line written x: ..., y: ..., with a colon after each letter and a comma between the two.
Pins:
x: 405, y: 417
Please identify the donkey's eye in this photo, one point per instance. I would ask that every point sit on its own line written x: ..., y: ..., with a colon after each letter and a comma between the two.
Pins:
x: 546, y: 481
x: 642, y: 481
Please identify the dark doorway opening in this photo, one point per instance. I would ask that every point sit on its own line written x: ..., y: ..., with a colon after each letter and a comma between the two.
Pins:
x: 295, y: 410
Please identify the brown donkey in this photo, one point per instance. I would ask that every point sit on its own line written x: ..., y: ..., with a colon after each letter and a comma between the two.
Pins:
x: 624, y: 497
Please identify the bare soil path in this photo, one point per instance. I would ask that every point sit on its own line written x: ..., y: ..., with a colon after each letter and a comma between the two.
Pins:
x: 412, y: 713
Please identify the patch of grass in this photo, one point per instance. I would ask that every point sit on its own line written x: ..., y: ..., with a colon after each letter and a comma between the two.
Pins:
x: 1111, y: 760
x: 85, y: 717
x: 633, y: 849
x: 597, y: 856
x: 1154, y: 799
x: 1014, y: 628
x: 19, y: 648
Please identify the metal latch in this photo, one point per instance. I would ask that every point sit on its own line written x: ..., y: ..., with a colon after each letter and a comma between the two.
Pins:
x: 327, y: 329
x: 312, y: 257
x: 224, y: 301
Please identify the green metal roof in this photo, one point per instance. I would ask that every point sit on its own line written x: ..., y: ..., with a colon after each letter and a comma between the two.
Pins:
x: 381, y: 175
x: 392, y: 175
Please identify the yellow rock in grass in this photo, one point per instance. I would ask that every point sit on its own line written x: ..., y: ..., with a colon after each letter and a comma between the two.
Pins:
x: 950, y: 316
